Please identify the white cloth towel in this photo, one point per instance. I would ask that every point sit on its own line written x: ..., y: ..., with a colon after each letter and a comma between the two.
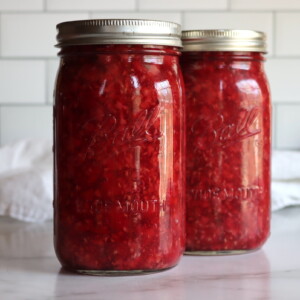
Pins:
x: 285, y: 165
x: 285, y: 179
x: 26, y: 180
x: 285, y: 194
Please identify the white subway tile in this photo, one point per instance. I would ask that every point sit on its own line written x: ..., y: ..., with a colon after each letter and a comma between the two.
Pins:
x: 22, y: 81
x: 287, y: 28
x: 25, y: 122
x: 284, y: 79
x: 90, y: 5
x: 265, y: 4
x: 31, y: 35
x: 254, y: 21
x: 52, y: 67
x: 21, y: 5
x: 172, y: 5
x: 288, y: 126
x: 166, y: 16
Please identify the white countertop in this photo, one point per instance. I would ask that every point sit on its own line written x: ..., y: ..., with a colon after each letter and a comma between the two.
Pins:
x: 30, y: 271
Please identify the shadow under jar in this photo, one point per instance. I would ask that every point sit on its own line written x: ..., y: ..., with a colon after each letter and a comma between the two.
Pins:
x: 228, y: 141
x: 118, y: 134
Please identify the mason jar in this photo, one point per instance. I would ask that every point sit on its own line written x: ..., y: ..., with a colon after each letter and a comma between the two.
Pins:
x: 228, y: 141
x: 118, y: 147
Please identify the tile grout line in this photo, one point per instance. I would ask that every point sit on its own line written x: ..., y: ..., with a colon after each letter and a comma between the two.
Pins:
x: 28, y: 104
x: 288, y: 103
x: 274, y: 125
x: 229, y: 6
x: 182, y: 19
x: 1, y: 125
x: 274, y: 29
x: 138, y: 9
x: 14, y: 57
x: 46, y: 81
x: 1, y: 25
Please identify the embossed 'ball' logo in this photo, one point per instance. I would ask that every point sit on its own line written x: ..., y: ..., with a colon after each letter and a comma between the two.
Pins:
x: 143, y: 128
x: 221, y: 132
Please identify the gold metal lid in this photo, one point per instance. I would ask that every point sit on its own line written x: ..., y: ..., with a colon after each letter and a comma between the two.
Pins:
x: 224, y: 40
x: 118, y: 31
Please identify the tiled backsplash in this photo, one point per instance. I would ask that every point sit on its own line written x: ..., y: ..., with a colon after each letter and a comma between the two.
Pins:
x: 28, y: 60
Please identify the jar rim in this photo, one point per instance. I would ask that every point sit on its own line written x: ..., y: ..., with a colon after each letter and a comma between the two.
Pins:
x: 224, y: 40
x: 118, y: 31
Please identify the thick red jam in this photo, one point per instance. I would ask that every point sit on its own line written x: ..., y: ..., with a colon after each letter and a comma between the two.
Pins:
x: 119, y: 179
x: 228, y: 151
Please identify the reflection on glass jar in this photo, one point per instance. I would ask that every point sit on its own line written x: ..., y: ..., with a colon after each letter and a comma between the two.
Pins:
x: 118, y: 125
x: 228, y: 141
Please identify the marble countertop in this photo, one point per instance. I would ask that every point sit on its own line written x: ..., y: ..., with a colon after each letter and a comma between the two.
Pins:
x: 30, y: 271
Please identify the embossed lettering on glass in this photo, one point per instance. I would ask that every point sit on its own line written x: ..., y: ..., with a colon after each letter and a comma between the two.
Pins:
x: 228, y: 141
x: 119, y: 125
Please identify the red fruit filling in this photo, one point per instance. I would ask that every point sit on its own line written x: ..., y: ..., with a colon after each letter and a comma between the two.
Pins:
x: 228, y: 151
x: 119, y: 158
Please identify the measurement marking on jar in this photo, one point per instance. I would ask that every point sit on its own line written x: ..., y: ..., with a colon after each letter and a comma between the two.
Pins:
x: 216, y: 193
x: 130, y: 206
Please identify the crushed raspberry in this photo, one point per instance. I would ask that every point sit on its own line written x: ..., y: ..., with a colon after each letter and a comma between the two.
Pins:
x: 228, y: 151
x: 119, y: 158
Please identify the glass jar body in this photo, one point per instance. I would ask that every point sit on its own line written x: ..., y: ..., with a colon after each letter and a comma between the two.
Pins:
x: 228, y: 152
x: 119, y: 169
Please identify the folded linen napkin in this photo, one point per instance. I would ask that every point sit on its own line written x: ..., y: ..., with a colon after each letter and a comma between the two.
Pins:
x: 26, y: 180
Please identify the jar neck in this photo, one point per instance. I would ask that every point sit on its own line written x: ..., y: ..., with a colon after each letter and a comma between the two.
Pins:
x: 224, y: 56
x: 119, y: 49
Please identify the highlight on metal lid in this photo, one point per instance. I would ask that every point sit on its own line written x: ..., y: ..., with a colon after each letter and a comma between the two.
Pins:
x: 118, y: 31
x: 224, y: 40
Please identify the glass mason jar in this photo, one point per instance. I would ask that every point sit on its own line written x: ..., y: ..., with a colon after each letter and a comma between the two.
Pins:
x: 228, y: 141
x: 118, y: 147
